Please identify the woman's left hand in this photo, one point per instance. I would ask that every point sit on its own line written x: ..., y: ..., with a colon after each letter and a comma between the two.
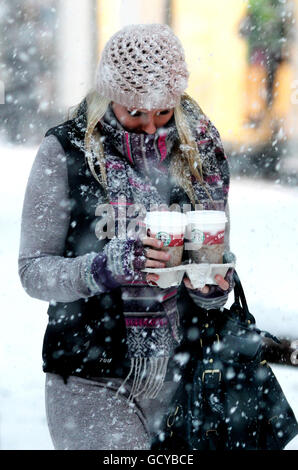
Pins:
x: 220, y: 280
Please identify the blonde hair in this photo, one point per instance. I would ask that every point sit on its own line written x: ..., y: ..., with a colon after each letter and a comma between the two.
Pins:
x: 186, y: 159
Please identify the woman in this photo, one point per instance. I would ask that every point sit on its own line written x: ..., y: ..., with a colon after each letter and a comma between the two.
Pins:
x: 135, y: 140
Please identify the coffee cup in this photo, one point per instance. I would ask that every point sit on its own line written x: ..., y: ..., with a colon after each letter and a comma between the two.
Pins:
x: 204, y: 237
x: 169, y: 227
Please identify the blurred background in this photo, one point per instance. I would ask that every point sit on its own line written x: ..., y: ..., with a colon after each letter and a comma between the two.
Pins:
x: 242, y: 56
x: 243, y: 61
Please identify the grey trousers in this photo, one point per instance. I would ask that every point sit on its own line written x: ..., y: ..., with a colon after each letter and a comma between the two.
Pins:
x: 86, y: 414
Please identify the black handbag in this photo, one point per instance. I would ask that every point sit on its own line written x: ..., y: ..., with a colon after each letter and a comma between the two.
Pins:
x: 228, y: 397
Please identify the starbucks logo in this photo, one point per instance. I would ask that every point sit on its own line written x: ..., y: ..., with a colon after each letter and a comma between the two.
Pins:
x: 164, y: 237
x: 197, y: 236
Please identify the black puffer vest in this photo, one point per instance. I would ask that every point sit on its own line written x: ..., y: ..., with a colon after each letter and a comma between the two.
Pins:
x: 86, y: 337
x: 82, y: 336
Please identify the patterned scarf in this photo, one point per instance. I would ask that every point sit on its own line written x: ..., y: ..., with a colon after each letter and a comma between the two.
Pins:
x: 137, y: 167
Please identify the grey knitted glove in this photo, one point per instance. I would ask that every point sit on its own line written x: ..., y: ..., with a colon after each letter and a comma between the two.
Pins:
x: 126, y: 259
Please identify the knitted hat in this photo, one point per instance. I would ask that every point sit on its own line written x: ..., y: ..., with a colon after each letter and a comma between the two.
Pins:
x: 143, y: 67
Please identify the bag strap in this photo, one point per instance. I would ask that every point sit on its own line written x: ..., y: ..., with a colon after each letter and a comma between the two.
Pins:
x: 240, y: 304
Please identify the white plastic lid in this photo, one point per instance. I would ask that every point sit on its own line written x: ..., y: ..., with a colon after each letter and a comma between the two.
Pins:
x: 206, y: 217
x: 168, y: 221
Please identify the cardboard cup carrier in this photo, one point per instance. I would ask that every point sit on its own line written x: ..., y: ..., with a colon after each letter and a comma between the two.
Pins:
x: 201, y: 233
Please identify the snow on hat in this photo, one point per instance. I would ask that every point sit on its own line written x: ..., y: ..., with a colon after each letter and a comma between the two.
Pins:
x: 143, y: 67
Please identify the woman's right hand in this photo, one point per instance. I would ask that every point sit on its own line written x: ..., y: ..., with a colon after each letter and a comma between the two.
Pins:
x: 156, y: 258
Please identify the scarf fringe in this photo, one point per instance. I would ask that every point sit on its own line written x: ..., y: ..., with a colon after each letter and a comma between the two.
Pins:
x: 148, y: 386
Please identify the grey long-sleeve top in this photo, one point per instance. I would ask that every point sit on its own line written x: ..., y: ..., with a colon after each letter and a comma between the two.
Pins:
x: 44, y: 272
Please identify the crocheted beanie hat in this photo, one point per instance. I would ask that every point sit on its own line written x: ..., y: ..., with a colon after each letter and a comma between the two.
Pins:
x: 143, y: 67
